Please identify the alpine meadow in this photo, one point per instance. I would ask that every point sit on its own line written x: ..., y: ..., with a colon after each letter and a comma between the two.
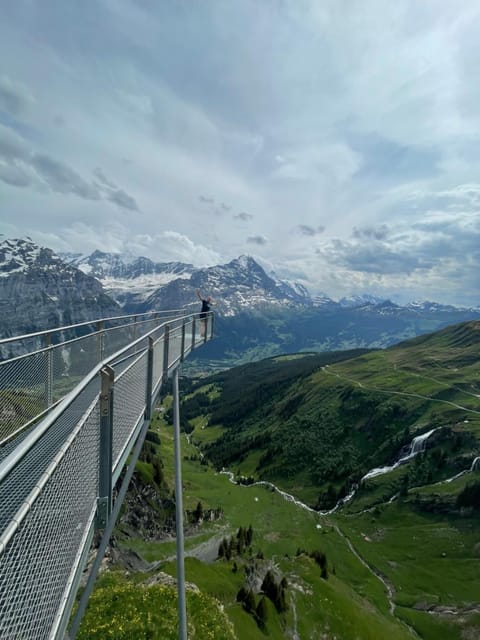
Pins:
x: 331, y: 495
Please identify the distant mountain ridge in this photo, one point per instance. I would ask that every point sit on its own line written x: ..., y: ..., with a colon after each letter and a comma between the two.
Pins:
x: 40, y: 291
x: 257, y: 314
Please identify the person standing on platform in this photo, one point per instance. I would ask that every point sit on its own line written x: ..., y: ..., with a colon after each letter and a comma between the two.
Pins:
x: 206, y: 304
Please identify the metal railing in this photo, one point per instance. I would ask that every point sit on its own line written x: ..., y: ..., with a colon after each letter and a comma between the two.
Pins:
x: 60, y: 460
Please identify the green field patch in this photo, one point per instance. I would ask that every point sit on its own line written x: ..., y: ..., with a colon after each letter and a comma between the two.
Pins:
x: 425, y: 556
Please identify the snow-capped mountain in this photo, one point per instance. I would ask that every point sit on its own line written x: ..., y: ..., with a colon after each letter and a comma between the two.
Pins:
x: 128, y: 279
x: 359, y: 300
x: 428, y: 306
x: 38, y: 290
x: 239, y: 285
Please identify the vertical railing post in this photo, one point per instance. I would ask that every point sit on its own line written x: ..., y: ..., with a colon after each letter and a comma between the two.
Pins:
x: 212, y: 322
x: 166, y: 340
x: 182, y: 609
x: 49, y: 380
x: 148, y: 393
x: 104, y: 501
x: 182, y: 347
x: 193, y: 334
x: 100, y: 340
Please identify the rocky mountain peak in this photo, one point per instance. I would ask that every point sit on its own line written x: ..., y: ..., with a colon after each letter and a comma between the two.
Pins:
x: 38, y: 290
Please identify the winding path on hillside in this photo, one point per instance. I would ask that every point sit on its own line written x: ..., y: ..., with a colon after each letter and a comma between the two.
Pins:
x: 327, y: 370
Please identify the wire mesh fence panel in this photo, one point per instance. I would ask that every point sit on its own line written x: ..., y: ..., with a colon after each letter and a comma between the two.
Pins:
x: 129, y: 399
x: 158, y: 349
x: 19, y: 482
x: 71, y: 362
x: 175, y: 346
x: 187, y: 339
x: 36, y: 567
x: 23, y: 391
x: 116, y: 338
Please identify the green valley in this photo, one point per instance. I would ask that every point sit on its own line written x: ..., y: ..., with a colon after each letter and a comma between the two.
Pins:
x: 328, y: 495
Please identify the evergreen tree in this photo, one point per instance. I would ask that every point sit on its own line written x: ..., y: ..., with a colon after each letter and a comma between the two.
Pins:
x: 198, y: 513
x: 242, y: 594
x: 249, y: 602
x: 262, y: 612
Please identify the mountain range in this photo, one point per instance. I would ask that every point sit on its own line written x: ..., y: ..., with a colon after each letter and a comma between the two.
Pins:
x: 257, y: 314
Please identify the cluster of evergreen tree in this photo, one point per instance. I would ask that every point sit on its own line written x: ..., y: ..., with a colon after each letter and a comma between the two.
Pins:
x: 236, y: 545
x: 320, y: 558
x: 271, y: 589
x: 258, y: 610
x: 470, y: 496
x: 275, y: 591
x: 149, y: 455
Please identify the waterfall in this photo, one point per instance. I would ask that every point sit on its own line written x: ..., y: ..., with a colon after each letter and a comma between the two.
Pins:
x: 475, y: 466
x: 416, y: 446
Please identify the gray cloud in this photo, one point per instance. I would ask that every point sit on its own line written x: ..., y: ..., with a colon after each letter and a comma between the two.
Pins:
x: 113, y: 193
x: 98, y: 173
x: 375, y: 258
x: 307, y: 230
x: 243, y: 216
x: 62, y: 178
x: 14, y: 175
x: 12, y: 146
x: 376, y: 233
x: 20, y: 168
x: 206, y: 200
x: 448, y: 244
x: 14, y: 97
x: 260, y: 240
x: 118, y: 196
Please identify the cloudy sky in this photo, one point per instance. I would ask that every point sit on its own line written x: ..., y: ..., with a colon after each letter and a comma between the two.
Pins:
x: 336, y: 141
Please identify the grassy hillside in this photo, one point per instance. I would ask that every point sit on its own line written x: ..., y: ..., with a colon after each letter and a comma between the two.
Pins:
x: 317, y: 426
x: 400, y: 559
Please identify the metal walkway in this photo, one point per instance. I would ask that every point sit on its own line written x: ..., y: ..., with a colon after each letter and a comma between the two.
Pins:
x: 75, y: 405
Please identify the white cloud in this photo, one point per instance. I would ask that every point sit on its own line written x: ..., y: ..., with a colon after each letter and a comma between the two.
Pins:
x: 347, y: 131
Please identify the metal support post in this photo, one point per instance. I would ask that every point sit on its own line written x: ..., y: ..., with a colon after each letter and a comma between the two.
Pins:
x: 166, y: 341
x: 182, y: 609
x: 49, y: 380
x: 182, y: 348
x: 104, y: 501
x: 212, y: 322
x: 100, y: 340
x: 148, y: 395
x: 193, y: 334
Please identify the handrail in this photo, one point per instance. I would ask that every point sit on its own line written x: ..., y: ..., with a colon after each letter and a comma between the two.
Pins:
x: 68, y: 327
x: 19, y: 452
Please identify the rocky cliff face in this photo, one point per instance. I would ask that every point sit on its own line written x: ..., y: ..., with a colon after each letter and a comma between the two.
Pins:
x: 40, y: 291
